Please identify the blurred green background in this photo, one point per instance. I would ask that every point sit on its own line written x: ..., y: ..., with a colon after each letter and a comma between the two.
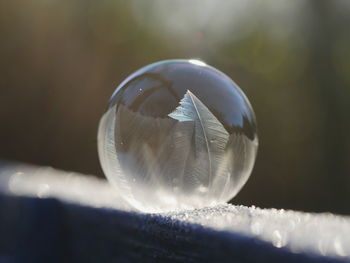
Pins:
x: 60, y: 61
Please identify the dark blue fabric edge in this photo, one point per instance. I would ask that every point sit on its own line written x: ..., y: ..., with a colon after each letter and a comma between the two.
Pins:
x: 49, y: 230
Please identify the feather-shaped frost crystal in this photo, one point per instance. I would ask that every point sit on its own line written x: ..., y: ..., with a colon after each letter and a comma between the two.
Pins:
x: 210, y: 138
x: 177, y: 135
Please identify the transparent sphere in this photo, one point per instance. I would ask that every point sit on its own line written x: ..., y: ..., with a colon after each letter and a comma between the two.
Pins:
x: 177, y: 134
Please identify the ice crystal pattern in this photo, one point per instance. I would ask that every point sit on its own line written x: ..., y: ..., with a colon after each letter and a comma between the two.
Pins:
x: 160, y: 159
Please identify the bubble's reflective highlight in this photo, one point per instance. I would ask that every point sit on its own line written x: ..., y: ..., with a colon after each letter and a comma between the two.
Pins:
x: 177, y: 135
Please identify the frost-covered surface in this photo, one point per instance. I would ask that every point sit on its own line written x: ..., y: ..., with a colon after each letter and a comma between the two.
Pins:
x: 68, y: 186
x: 319, y: 234
x: 324, y: 234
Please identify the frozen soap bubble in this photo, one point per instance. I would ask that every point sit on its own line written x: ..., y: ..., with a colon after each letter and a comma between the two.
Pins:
x: 177, y: 134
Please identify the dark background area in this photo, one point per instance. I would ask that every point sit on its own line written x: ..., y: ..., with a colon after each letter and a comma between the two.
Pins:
x: 61, y: 60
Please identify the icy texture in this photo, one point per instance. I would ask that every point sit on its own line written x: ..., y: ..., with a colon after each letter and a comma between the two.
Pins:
x: 177, y: 135
x: 325, y: 234
x: 71, y: 187
x: 322, y: 234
